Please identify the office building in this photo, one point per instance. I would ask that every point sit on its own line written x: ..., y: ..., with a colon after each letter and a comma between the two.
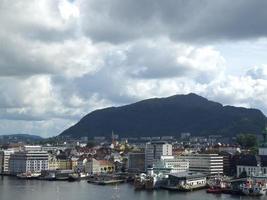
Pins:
x: 4, y: 161
x: 209, y: 164
x: 28, y: 161
x: 136, y: 162
x: 154, y: 151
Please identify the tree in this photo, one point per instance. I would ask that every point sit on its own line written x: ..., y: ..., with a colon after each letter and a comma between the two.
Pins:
x: 247, y: 140
x: 91, y: 144
x: 243, y: 174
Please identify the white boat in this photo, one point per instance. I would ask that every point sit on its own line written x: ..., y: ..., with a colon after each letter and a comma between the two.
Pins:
x: 28, y: 175
x: 254, y: 188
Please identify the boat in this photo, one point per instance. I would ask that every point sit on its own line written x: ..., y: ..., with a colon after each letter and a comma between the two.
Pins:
x: 74, y: 177
x: 253, y: 188
x: 215, y: 190
x: 139, y: 182
x: 105, y: 179
x: 28, y: 175
x: 217, y: 185
x: 83, y: 176
x: 149, y: 183
x: 48, y: 175
x: 191, y: 187
x: 109, y: 182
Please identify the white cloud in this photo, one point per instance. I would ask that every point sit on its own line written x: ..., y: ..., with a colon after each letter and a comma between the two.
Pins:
x: 61, y: 59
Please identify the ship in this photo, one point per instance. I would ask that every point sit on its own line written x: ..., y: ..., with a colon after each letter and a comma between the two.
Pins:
x: 28, y: 175
x: 218, y: 185
x: 139, y: 181
x: 253, y: 188
x: 149, y: 183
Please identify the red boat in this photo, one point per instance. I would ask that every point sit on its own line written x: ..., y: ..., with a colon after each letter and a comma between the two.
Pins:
x: 215, y: 190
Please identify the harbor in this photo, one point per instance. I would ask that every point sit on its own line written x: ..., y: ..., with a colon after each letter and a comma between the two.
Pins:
x: 254, y: 186
x: 11, y: 188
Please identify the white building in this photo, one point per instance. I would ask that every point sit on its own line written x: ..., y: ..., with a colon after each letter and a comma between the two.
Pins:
x: 32, y: 148
x: 230, y: 149
x: 154, y: 151
x: 176, y: 164
x: 53, y: 148
x: 4, y: 161
x: 263, y: 151
x: 252, y: 165
x: 250, y: 170
x: 205, y: 163
x: 28, y: 161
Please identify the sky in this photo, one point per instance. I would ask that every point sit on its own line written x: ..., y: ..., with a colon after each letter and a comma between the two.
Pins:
x: 60, y: 59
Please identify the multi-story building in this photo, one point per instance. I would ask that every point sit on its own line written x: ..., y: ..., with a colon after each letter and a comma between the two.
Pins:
x: 136, y: 161
x: 64, y: 162
x: 176, y: 164
x: 229, y: 163
x: 4, y: 161
x: 206, y: 163
x: 28, y: 161
x: 32, y: 148
x: 53, y: 163
x: 154, y: 151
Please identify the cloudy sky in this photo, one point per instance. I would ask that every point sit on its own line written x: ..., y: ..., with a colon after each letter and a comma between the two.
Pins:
x: 61, y: 59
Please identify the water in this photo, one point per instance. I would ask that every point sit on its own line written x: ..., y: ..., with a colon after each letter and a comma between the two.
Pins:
x: 14, y: 189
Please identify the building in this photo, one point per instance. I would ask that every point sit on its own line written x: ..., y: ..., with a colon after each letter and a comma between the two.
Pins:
x: 229, y: 163
x: 74, y: 163
x: 176, y: 164
x: 64, y: 162
x: 192, y: 179
x: 136, y: 162
x: 32, y: 148
x: 53, y: 148
x: 94, y: 166
x: 53, y: 163
x: 81, y: 163
x: 154, y: 151
x: 28, y: 161
x: 230, y: 149
x: 251, y: 165
x: 254, y: 164
x: 205, y: 163
x: 4, y: 161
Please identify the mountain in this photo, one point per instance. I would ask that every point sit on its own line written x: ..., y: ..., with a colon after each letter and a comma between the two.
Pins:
x: 20, y: 137
x: 169, y: 116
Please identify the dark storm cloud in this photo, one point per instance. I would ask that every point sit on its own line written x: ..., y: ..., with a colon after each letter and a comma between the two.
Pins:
x: 199, y: 21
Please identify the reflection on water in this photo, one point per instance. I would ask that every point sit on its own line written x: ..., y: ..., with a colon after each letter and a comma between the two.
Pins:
x: 14, y: 189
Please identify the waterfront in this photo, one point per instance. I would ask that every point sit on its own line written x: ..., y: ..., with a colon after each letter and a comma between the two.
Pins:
x: 12, y: 188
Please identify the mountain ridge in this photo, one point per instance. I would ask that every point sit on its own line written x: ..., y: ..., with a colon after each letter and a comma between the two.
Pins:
x: 169, y: 116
